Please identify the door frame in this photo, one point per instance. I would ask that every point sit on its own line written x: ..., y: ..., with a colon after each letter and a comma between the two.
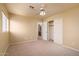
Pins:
x: 48, y: 28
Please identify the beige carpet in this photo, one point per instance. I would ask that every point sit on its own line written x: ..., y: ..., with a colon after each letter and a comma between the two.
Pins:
x: 39, y: 48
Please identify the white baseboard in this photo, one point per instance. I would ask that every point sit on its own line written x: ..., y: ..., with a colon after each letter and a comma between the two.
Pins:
x: 71, y: 48
x: 5, y: 51
x: 77, y: 50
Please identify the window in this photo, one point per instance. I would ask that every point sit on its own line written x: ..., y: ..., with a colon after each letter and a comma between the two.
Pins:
x: 4, y: 23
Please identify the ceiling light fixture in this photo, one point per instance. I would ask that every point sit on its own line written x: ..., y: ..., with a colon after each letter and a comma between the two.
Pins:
x: 42, y: 11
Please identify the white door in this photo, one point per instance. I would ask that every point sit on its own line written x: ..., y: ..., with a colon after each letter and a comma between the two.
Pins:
x: 44, y: 30
x: 58, y: 30
x: 50, y: 33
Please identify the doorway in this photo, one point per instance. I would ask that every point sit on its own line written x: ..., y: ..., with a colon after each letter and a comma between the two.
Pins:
x: 50, y: 30
x: 39, y: 31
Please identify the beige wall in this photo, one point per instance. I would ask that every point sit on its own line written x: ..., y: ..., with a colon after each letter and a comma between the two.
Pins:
x: 23, y: 28
x: 0, y: 21
x: 3, y: 42
x: 70, y: 26
x: 4, y: 36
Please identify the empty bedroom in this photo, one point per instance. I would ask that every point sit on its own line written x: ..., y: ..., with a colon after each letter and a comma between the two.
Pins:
x: 39, y: 29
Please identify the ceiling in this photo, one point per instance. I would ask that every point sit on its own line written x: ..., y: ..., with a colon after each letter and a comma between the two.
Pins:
x: 50, y: 8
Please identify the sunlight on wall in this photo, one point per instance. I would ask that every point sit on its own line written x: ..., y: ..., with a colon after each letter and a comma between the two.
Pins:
x: 4, y: 23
